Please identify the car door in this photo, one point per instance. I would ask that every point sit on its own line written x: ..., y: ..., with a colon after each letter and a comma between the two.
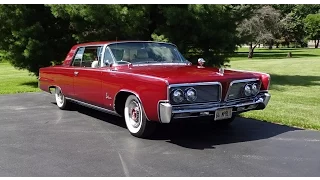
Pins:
x: 109, y: 82
x: 87, y: 80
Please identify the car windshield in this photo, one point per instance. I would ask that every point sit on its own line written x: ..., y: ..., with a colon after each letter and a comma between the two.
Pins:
x: 145, y: 53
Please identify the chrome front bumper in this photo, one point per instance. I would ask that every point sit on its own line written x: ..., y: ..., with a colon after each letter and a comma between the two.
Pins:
x: 167, y: 112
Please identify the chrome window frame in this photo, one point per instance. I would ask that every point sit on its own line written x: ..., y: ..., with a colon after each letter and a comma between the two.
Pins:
x: 106, y: 48
x: 95, y: 45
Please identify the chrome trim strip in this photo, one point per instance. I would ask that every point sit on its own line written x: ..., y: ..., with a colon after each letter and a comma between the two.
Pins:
x: 239, y: 81
x: 132, y: 92
x: 92, y: 45
x: 94, y: 107
x: 113, y: 58
x: 160, y: 64
x: 102, y: 55
x: 194, y: 84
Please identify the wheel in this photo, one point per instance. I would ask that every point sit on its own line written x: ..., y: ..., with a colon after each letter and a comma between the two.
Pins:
x: 135, y: 118
x: 61, y: 101
x: 225, y: 122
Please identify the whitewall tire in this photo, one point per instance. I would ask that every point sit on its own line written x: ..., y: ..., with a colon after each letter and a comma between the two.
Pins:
x: 135, y: 118
x: 61, y: 100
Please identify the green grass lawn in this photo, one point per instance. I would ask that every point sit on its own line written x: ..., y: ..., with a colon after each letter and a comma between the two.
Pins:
x: 16, y: 81
x: 295, y: 86
x: 277, y: 53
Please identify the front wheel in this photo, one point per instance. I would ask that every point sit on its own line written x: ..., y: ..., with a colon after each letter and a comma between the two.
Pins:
x: 135, y: 118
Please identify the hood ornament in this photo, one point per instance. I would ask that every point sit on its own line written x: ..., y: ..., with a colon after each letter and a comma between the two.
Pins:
x: 201, y: 61
x: 221, y: 70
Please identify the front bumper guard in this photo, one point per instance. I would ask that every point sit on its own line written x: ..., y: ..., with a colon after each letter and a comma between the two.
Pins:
x: 167, y: 112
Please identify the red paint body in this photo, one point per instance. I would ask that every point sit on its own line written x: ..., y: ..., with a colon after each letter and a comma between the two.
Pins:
x: 149, y: 82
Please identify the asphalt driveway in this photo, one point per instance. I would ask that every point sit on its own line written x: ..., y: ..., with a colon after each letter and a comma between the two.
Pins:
x: 38, y: 139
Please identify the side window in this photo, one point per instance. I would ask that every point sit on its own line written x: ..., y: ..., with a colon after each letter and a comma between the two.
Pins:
x: 107, y: 58
x: 78, y: 57
x: 91, y: 57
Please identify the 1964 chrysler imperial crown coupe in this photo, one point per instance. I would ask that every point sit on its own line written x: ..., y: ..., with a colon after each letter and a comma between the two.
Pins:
x: 149, y: 82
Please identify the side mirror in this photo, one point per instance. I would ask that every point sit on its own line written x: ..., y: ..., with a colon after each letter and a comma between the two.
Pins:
x: 201, y: 62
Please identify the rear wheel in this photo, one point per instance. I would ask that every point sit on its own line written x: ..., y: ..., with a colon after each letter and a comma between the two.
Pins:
x: 61, y: 100
x: 135, y: 118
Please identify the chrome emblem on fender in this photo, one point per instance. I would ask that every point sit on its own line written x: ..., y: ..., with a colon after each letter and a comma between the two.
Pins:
x: 107, y: 96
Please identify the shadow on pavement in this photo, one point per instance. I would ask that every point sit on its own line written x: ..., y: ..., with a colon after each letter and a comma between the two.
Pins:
x: 200, y: 134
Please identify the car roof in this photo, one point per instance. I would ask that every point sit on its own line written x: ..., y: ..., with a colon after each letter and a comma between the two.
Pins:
x: 96, y: 43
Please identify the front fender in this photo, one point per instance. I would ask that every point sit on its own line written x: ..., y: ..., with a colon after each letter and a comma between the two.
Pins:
x: 148, y: 90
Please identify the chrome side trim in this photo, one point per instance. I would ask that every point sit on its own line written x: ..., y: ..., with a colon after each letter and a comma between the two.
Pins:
x: 194, y: 84
x: 94, y: 107
x: 132, y: 92
x: 239, y: 81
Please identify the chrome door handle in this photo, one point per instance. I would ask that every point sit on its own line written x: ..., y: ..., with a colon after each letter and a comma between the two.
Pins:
x: 76, y: 73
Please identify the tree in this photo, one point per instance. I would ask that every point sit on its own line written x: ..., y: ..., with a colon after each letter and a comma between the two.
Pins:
x: 303, y: 10
x: 105, y: 22
x: 261, y: 27
x: 35, y: 36
x: 292, y: 29
x: 31, y: 37
x: 312, y: 27
x: 206, y: 30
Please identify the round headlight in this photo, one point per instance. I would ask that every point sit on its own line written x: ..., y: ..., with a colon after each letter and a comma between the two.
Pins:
x: 191, y: 94
x: 254, y: 89
x: 177, y: 96
x: 247, y: 90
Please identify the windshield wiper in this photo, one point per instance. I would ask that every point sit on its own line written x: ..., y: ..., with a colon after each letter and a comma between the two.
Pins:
x: 145, y: 62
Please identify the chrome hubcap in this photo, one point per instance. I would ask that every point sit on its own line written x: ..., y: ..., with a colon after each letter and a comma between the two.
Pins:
x: 134, y: 114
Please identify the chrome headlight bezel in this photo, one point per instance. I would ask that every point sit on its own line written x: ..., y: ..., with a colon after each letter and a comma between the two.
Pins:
x: 247, y: 90
x: 188, y: 95
x: 177, y: 98
x: 255, y: 89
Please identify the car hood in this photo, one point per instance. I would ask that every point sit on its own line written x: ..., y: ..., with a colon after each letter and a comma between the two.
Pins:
x: 174, y: 74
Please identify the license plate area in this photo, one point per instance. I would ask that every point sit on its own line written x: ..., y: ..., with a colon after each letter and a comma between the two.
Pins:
x: 221, y: 114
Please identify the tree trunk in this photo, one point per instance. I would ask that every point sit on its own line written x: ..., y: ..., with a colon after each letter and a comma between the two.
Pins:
x: 270, y: 44
x: 250, y: 54
x: 316, y: 43
x: 288, y: 44
x: 277, y: 45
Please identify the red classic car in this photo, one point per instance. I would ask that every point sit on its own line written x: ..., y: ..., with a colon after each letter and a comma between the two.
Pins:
x: 148, y: 82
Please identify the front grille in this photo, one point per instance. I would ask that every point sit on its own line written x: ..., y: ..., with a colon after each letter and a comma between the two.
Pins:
x: 205, y: 93
x: 235, y: 91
